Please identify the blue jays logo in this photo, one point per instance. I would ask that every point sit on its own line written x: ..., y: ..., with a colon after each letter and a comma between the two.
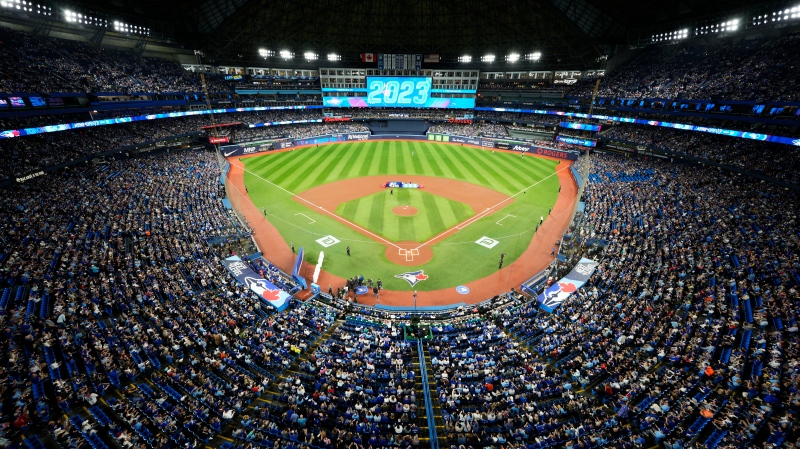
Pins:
x: 412, y: 277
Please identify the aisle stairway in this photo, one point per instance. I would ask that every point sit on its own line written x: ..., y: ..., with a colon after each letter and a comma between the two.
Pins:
x: 437, y: 408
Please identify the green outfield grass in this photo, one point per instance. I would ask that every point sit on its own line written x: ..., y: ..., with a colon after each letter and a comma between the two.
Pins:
x: 374, y: 212
x: 273, y: 178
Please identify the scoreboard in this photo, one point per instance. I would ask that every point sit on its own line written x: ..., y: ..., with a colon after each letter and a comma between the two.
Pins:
x: 393, y: 91
x: 398, y: 92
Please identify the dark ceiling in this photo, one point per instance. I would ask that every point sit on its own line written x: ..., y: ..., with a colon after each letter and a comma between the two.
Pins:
x: 565, y: 31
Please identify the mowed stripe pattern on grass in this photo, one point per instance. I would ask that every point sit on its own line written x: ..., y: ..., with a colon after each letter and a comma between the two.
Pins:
x: 273, y: 179
x: 435, y: 214
x: 299, y: 171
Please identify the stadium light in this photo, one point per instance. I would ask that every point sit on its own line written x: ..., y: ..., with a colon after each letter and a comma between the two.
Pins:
x: 334, y: 57
x: 729, y: 25
x: 265, y: 53
x: 286, y: 54
x: 465, y: 58
x: 487, y: 58
x: 310, y: 56
x: 513, y: 57
x: 535, y: 56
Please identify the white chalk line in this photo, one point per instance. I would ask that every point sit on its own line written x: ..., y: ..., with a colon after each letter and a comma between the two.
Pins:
x: 490, y: 210
x: 460, y: 226
x: 312, y: 220
x: 509, y: 215
x: 319, y: 207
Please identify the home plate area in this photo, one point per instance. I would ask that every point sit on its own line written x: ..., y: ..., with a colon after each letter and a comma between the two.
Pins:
x: 408, y: 253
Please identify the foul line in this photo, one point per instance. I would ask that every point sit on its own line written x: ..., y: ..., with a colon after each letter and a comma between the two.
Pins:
x: 312, y: 220
x: 509, y: 215
x: 490, y: 210
x: 346, y: 221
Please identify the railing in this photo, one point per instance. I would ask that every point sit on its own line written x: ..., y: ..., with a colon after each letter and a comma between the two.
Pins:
x: 426, y: 389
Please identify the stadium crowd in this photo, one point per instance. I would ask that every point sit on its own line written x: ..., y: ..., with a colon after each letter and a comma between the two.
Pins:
x: 477, y: 129
x: 125, y: 291
x: 686, y: 333
x: 739, y: 69
x: 769, y: 159
x: 44, y: 65
x: 298, y: 131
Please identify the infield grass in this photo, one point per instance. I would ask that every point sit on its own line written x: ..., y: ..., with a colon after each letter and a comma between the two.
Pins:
x: 435, y: 214
x: 273, y: 179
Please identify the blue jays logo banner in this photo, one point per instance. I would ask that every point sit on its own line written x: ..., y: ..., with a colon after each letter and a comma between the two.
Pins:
x: 413, y: 277
x: 566, y: 286
x: 270, y: 293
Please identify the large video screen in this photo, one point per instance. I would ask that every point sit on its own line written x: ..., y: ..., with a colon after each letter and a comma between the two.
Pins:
x: 398, y: 92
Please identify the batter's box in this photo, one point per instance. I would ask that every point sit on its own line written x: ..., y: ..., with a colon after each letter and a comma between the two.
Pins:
x: 408, y: 253
x: 487, y: 242
x: 327, y: 241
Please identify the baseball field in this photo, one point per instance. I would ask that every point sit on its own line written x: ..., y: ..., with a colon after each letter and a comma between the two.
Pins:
x: 473, y: 205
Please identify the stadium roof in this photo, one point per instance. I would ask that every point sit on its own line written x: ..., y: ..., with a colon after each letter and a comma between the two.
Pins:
x: 565, y: 31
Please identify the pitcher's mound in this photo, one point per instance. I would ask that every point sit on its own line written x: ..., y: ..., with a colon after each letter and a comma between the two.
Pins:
x: 405, y: 211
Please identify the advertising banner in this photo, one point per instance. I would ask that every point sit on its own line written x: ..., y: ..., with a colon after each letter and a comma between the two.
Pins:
x: 566, y: 286
x: 245, y: 148
x: 401, y: 185
x: 273, y: 295
x: 686, y: 127
x: 543, y: 151
x: 581, y: 126
x: 391, y: 101
x: 10, y: 133
x: 467, y: 140
x: 577, y: 141
x: 284, y: 144
x: 217, y: 140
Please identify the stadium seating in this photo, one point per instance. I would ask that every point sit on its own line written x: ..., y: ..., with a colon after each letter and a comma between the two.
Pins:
x: 122, y: 328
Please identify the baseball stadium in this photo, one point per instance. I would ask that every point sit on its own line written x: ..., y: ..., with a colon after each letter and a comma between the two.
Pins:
x: 523, y: 224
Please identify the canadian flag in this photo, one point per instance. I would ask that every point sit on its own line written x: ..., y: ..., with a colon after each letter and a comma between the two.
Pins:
x: 367, y: 57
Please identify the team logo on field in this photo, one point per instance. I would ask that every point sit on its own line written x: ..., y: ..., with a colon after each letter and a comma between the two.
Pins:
x: 413, y: 277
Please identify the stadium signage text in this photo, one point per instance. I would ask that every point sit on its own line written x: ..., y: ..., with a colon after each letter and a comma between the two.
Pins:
x: 553, y: 153
x: 462, y: 121
x: 358, y: 137
x: 30, y: 176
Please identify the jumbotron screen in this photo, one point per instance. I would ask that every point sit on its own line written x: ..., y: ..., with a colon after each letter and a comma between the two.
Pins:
x: 397, y: 92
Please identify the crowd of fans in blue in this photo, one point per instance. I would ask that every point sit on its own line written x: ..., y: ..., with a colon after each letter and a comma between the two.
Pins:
x: 121, y: 328
x: 736, y: 69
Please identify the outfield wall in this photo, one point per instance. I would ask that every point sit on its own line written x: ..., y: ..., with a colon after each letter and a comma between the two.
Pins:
x: 486, y: 142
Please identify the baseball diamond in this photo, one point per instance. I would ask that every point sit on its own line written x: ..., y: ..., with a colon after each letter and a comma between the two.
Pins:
x: 340, y: 187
